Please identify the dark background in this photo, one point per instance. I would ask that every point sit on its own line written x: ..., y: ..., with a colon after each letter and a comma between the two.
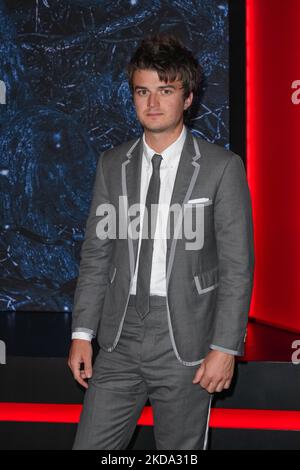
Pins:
x: 63, y: 64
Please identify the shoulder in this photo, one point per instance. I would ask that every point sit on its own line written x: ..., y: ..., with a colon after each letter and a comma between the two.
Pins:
x: 216, y: 153
x: 120, y: 151
x: 218, y: 159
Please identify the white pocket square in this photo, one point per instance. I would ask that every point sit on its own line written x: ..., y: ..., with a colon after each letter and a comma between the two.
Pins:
x: 201, y: 199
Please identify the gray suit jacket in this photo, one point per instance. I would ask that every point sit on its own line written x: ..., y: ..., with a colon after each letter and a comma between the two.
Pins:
x: 208, y: 288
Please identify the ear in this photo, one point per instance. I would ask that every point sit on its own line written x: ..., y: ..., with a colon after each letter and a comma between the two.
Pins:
x: 188, y: 101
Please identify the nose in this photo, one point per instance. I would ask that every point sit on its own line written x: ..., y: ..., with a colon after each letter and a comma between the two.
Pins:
x: 153, y: 100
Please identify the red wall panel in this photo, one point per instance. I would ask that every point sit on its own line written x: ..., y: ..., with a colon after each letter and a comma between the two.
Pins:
x: 273, y: 157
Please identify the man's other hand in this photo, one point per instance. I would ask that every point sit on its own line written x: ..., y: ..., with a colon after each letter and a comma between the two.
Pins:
x: 215, y: 372
x: 81, y: 352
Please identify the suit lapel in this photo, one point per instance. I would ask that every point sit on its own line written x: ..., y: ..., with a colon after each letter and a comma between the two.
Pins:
x: 131, y: 183
x: 186, y: 177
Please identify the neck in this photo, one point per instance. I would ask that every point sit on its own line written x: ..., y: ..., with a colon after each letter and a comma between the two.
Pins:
x: 159, y: 141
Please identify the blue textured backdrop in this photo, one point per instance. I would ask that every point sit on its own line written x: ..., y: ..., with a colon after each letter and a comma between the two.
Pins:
x: 67, y: 99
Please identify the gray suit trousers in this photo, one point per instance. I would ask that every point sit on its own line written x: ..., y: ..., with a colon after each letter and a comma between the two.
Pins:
x: 143, y: 365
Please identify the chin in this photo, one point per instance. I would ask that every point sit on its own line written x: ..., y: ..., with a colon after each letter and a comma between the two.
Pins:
x: 155, y: 128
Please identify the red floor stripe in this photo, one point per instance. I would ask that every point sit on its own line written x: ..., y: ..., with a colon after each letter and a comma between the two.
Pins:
x: 220, y: 417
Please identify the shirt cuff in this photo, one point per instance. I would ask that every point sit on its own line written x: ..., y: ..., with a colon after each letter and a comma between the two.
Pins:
x: 82, y: 335
x: 225, y: 350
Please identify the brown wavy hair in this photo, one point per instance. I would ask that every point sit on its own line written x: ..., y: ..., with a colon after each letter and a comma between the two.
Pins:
x: 168, y: 56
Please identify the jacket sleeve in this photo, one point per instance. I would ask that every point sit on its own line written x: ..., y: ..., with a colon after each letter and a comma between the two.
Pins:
x: 95, y: 257
x: 235, y: 248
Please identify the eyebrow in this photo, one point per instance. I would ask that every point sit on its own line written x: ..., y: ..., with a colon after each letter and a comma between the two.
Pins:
x: 160, y: 87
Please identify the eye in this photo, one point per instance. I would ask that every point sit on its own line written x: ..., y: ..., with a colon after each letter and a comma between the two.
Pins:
x: 167, y: 91
x: 141, y: 92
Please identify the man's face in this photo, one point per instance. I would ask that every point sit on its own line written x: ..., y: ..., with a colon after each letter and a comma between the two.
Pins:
x: 159, y: 105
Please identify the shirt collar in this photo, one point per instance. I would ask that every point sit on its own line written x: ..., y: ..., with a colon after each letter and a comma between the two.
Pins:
x: 170, y: 155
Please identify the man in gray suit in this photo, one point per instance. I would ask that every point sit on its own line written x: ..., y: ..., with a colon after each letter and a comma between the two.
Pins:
x: 170, y: 315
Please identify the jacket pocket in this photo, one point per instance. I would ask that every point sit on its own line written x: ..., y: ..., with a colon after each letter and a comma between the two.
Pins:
x: 112, y: 273
x: 207, y: 281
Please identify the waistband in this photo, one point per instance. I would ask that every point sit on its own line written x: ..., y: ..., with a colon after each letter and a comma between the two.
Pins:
x: 154, y: 300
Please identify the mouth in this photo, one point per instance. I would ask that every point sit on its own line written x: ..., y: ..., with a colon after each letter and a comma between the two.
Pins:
x: 154, y: 114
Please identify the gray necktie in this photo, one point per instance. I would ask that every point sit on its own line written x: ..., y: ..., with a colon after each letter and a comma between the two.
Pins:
x: 146, y: 250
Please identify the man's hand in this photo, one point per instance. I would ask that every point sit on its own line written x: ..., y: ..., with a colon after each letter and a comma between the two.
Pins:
x: 215, y: 372
x: 81, y: 352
